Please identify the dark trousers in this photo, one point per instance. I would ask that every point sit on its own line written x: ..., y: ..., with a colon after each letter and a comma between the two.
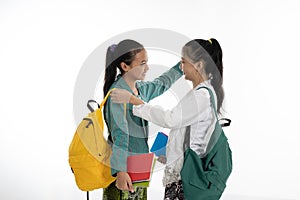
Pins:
x: 113, y: 193
x: 174, y: 191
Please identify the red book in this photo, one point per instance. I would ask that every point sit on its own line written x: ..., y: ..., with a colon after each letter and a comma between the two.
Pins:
x: 140, y: 166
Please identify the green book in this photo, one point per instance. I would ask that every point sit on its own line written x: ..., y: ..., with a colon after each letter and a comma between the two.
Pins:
x: 141, y: 184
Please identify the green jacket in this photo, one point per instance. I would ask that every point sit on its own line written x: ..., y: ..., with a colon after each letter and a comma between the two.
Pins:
x: 128, y: 132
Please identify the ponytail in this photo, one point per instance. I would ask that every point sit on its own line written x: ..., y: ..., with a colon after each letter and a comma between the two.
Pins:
x: 217, y: 72
x: 110, y: 69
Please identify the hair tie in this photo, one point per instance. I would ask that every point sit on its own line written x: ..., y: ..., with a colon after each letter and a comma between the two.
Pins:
x: 113, y: 47
x: 209, y: 40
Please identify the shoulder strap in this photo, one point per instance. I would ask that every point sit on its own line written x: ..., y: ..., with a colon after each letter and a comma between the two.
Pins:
x: 186, y: 143
x: 102, y: 103
x: 106, y: 97
x: 228, y: 121
x: 212, y: 99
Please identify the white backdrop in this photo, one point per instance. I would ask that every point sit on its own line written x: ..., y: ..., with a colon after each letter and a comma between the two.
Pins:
x: 43, y: 45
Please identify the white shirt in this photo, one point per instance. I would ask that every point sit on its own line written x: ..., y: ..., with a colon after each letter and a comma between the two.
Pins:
x: 194, y: 110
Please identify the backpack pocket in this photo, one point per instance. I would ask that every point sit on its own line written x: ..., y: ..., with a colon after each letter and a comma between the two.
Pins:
x: 220, y: 166
x: 89, y: 173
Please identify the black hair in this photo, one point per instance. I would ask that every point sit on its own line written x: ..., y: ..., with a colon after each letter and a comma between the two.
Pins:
x: 211, y: 52
x: 125, y: 52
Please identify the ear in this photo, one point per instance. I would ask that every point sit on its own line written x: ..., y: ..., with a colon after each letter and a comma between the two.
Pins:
x: 200, y: 65
x: 125, y: 67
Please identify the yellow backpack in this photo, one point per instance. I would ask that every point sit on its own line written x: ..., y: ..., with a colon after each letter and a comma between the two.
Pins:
x: 89, y: 152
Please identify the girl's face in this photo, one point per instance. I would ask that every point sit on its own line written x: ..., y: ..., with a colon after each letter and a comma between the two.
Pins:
x: 138, y: 68
x: 188, y: 69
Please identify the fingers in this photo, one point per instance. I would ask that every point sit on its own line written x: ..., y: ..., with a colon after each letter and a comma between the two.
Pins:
x: 122, y: 186
x: 130, y: 187
x: 124, y: 182
x: 162, y: 159
x: 115, y: 96
x: 114, y: 93
x: 126, y: 186
x: 120, y: 96
x: 115, y: 99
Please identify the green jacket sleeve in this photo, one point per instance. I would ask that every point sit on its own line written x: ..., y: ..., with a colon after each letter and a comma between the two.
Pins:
x: 152, y: 89
x: 120, y: 137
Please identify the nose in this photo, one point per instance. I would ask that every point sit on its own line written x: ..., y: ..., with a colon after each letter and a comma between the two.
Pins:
x: 146, y: 67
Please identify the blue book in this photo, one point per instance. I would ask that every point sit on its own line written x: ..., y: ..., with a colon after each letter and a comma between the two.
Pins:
x: 159, y: 145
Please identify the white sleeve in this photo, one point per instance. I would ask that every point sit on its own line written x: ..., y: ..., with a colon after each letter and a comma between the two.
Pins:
x: 188, y: 111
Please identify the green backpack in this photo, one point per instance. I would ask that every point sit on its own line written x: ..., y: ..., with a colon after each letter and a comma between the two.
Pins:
x: 205, y: 177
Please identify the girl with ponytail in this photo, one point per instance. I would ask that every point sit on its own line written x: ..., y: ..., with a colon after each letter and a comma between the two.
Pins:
x: 126, y: 68
x: 194, y: 114
x: 210, y: 53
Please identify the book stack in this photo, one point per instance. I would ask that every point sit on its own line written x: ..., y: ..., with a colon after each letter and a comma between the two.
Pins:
x: 140, y: 168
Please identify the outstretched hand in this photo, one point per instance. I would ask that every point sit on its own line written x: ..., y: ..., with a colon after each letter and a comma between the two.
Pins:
x: 120, y: 96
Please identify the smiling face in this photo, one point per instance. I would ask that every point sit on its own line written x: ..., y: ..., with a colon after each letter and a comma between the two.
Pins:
x: 193, y: 65
x: 188, y: 69
x: 138, y: 68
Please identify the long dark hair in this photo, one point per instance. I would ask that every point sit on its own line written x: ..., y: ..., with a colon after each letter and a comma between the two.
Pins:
x: 210, y: 52
x: 125, y: 52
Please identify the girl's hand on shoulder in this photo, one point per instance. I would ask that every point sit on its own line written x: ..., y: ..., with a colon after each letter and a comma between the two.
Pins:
x: 120, y: 96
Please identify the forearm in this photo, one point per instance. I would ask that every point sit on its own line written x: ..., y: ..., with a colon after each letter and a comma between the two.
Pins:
x: 189, y: 110
x: 120, y: 137
x: 118, y: 159
x: 156, y: 115
x: 158, y: 86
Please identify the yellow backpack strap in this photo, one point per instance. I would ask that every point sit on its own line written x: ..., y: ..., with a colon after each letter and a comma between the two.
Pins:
x: 105, y: 99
